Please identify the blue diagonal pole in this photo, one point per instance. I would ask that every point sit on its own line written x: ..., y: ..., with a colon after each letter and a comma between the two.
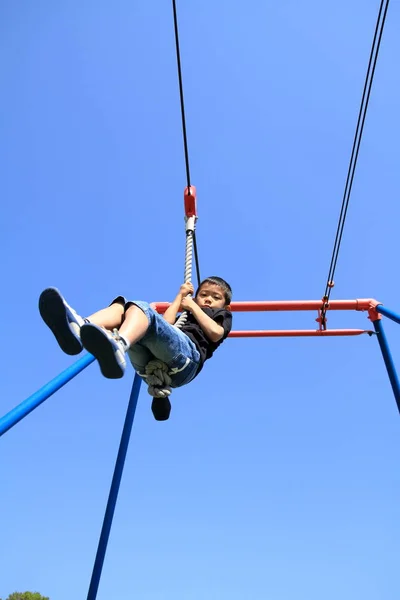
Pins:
x: 387, y: 357
x: 388, y: 313
x: 113, y: 494
x: 27, y: 406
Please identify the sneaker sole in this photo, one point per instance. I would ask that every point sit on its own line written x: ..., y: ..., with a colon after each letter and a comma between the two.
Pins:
x: 96, y: 342
x: 54, y: 314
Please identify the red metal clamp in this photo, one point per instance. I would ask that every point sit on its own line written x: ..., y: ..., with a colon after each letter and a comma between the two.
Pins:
x: 190, y: 202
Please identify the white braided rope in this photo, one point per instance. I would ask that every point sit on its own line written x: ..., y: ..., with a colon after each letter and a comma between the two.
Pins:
x: 187, y: 274
x: 157, y: 373
x: 158, y: 379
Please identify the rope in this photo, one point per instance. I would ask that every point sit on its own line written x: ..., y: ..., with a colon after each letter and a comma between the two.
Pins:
x: 158, y: 379
x: 355, y: 151
x: 196, y: 258
x: 187, y: 272
x: 157, y: 375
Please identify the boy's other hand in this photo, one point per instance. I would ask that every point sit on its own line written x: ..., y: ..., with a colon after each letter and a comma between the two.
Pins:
x: 186, y: 289
x: 187, y: 303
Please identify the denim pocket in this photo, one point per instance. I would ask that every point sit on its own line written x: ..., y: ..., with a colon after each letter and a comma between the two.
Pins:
x: 182, y: 370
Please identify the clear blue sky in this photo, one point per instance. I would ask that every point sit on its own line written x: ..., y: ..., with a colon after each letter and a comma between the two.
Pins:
x: 277, y: 475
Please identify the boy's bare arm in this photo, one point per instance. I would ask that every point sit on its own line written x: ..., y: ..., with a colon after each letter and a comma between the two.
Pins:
x: 212, y: 330
x: 172, y: 311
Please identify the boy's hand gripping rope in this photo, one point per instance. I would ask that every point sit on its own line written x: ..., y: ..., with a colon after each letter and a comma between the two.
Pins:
x: 157, y: 374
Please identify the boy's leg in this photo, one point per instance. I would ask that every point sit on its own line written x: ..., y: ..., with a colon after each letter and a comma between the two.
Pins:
x: 162, y: 340
x: 109, y: 349
x: 135, y: 325
x: 156, y: 337
x: 110, y: 317
x: 65, y: 323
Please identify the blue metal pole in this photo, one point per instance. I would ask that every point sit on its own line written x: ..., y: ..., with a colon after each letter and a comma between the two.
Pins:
x: 113, y: 494
x: 27, y: 406
x: 388, y: 313
x: 387, y: 357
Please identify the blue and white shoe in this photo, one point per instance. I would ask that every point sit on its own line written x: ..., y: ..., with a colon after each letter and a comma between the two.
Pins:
x: 63, y: 321
x: 108, y: 348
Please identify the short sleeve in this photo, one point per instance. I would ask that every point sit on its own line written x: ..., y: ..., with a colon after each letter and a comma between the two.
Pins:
x: 224, y: 318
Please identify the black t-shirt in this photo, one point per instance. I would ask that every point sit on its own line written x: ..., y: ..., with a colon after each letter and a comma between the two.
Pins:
x: 204, y: 345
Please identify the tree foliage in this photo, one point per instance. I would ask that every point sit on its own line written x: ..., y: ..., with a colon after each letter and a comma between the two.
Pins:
x: 26, y: 596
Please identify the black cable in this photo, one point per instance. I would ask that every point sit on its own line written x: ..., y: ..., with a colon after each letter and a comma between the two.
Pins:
x: 185, y: 142
x: 196, y: 258
x: 356, y: 138
x: 356, y: 147
x: 178, y: 60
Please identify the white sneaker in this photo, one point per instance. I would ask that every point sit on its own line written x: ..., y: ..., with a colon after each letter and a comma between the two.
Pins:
x: 107, y: 347
x: 63, y: 321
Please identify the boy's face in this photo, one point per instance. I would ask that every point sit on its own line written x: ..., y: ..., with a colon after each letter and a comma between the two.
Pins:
x: 210, y: 295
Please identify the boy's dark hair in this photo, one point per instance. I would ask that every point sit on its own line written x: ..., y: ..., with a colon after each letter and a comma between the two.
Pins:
x: 224, y: 285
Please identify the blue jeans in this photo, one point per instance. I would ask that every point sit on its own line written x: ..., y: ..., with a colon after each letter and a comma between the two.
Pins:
x: 167, y: 343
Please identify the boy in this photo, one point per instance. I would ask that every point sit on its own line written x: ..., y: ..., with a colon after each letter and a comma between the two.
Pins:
x: 139, y: 330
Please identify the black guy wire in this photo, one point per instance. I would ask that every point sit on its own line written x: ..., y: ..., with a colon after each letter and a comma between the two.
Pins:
x: 185, y: 142
x: 356, y: 137
x: 196, y: 258
x: 357, y: 142
x: 356, y: 145
x: 178, y: 60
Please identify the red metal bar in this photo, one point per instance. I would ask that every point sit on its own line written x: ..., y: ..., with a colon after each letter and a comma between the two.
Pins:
x: 297, y: 333
x: 364, y: 304
x: 292, y: 305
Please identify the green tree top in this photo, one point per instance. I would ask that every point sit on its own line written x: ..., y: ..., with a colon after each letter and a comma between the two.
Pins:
x: 27, y: 596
